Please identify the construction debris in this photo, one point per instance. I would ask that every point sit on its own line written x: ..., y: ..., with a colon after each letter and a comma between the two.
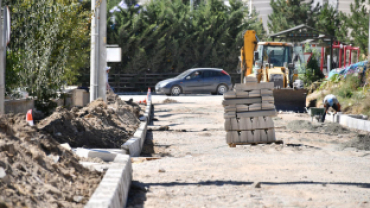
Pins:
x: 97, y: 125
x: 247, y: 113
x: 36, y: 171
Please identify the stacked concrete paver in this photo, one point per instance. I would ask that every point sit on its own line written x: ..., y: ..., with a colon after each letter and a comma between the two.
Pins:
x: 248, y: 110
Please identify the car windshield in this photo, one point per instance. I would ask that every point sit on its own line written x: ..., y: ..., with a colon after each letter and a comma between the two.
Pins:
x: 184, y: 74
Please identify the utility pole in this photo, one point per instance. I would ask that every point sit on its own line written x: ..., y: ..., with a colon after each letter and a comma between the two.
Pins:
x: 3, y: 26
x: 102, y: 57
x: 98, y: 53
x: 93, y: 75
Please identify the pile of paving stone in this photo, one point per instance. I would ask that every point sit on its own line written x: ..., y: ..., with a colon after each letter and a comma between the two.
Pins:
x: 248, y: 110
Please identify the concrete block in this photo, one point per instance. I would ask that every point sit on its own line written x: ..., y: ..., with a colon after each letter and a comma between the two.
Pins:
x: 234, y: 102
x: 254, y: 86
x: 229, y: 115
x: 250, y: 79
x: 242, y: 108
x: 256, y: 114
x: 113, y: 190
x: 80, y: 97
x: 18, y: 106
x: 229, y: 95
x: 231, y: 124
x: 255, y: 93
x: 245, y: 124
x: 132, y: 147
x: 247, y: 137
x: 229, y: 109
x: 268, y: 98
x: 232, y: 137
x: 263, y: 136
x: 268, y: 92
x: 271, y: 135
x: 242, y: 94
x: 104, y: 155
x: 266, y: 105
x: 255, y: 107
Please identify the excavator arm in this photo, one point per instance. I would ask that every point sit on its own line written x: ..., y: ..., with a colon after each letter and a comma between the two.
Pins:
x: 250, y: 41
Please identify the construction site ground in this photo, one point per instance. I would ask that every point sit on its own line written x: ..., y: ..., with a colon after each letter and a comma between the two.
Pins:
x: 319, y: 165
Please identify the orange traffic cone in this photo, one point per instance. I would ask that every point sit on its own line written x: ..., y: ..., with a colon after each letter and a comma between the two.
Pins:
x: 29, y: 118
x: 149, y: 95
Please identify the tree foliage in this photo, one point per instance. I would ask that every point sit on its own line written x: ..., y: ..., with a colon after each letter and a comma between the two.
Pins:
x: 355, y: 26
x: 50, y: 40
x: 289, y: 13
x: 166, y: 36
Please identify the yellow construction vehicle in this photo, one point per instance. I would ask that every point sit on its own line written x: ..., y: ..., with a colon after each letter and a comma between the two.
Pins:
x: 272, y: 62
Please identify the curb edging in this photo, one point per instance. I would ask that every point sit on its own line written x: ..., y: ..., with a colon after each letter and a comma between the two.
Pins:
x: 350, y: 121
x: 113, y: 189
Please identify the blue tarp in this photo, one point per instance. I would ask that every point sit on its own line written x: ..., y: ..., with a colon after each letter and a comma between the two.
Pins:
x: 353, y: 68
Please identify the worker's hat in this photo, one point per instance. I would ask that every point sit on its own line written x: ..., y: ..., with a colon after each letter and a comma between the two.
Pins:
x: 108, y: 67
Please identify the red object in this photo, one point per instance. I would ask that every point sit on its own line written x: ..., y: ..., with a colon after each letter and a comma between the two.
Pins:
x: 224, y: 72
x: 29, y: 118
x: 344, y: 50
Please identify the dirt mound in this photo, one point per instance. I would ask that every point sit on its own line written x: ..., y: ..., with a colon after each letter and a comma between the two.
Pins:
x: 97, y: 125
x: 35, y: 171
x: 321, y: 127
x: 361, y: 142
x: 168, y: 100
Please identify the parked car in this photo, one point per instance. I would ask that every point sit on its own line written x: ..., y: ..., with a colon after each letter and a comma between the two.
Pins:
x: 199, y: 80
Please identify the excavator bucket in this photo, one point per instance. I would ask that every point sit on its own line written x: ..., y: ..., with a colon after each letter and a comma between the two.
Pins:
x: 288, y: 99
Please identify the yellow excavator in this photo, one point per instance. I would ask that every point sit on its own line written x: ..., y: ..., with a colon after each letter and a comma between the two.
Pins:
x: 273, y: 62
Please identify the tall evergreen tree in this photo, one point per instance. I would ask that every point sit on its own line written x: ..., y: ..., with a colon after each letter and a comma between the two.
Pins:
x: 289, y: 13
x: 166, y: 36
x: 327, y: 20
x: 356, y: 24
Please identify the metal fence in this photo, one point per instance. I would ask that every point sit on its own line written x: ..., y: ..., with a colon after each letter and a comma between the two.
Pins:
x: 123, y: 83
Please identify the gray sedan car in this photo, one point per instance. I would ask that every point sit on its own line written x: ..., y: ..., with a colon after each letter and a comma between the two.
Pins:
x: 199, y: 80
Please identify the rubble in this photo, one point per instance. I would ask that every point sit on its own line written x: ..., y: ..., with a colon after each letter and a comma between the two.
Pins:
x: 37, y: 171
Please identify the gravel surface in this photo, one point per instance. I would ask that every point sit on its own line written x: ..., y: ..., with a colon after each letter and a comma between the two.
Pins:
x: 313, y: 168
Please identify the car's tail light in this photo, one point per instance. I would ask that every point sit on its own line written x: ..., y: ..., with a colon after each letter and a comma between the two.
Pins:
x: 224, y: 72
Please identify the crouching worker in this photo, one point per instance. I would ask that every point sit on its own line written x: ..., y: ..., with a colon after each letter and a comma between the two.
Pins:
x: 330, y: 101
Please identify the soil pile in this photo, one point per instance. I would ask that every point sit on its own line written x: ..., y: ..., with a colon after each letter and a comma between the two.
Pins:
x: 35, y: 171
x: 361, y: 142
x: 97, y: 125
x: 321, y: 127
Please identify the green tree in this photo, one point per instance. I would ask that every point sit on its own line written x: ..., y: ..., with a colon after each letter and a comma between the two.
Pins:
x: 168, y: 37
x: 356, y: 24
x: 50, y: 44
x: 327, y: 20
x: 289, y: 13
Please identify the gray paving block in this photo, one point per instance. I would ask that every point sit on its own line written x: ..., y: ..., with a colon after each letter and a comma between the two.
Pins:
x: 267, y: 98
x: 250, y: 79
x: 264, y: 136
x: 229, y: 95
x: 231, y: 124
x: 247, y: 137
x: 271, y: 135
x: 255, y: 107
x: 234, y: 102
x: 266, y: 92
x: 232, y: 137
x: 256, y: 114
x: 255, y: 93
x: 254, y: 86
x: 229, y: 109
x: 242, y: 108
x: 242, y: 94
x: 132, y: 146
x: 229, y: 115
x: 245, y: 124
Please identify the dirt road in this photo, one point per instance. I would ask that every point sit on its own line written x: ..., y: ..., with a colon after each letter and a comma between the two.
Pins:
x: 316, y: 167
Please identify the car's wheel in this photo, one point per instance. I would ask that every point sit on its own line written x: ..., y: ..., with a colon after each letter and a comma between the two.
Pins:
x: 175, y: 90
x: 221, y: 89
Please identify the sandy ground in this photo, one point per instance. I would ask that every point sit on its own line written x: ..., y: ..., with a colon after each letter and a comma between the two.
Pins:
x: 314, y: 168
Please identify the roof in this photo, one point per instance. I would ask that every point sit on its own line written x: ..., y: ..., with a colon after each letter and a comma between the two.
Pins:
x: 303, y: 32
x: 205, y: 68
